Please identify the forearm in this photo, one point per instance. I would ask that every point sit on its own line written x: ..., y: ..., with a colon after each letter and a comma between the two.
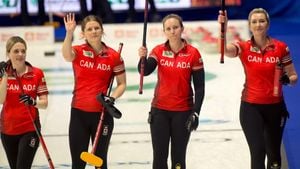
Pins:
x: 118, y: 91
x: 199, y: 87
x: 121, y: 86
x: 42, y: 102
x: 291, y: 73
x: 67, y: 47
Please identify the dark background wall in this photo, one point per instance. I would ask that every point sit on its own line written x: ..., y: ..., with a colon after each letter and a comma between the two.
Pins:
x: 278, y: 9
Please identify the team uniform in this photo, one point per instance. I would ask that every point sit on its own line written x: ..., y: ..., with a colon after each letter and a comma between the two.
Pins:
x: 173, y: 100
x: 262, y: 115
x: 93, y: 73
x: 18, y: 134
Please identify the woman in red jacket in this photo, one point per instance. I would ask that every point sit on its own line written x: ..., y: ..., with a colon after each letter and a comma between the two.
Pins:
x: 262, y: 111
x: 23, y: 91
x: 176, y: 105
x: 94, y: 64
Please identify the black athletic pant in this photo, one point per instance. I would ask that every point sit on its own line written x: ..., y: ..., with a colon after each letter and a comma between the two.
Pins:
x: 83, y: 127
x: 169, y: 126
x: 263, y: 127
x: 20, y: 149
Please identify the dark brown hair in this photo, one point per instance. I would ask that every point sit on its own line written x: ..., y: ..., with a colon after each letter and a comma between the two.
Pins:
x: 175, y: 16
x: 91, y: 18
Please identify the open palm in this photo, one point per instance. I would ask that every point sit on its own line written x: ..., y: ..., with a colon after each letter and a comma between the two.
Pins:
x: 70, y: 23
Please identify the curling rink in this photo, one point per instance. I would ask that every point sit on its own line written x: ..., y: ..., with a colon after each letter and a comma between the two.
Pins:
x: 219, y: 141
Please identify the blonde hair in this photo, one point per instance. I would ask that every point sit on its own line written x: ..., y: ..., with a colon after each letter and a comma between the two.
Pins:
x: 259, y: 10
x: 12, y: 41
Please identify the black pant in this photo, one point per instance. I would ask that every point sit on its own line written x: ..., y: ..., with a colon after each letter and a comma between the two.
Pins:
x: 20, y: 149
x: 83, y: 127
x: 169, y: 126
x: 263, y: 127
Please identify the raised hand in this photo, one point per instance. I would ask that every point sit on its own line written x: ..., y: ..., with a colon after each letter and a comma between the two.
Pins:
x: 70, y: 23
x: 222, y: 18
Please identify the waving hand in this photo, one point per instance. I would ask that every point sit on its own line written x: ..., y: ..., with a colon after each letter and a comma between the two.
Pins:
x: 70, y: 23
